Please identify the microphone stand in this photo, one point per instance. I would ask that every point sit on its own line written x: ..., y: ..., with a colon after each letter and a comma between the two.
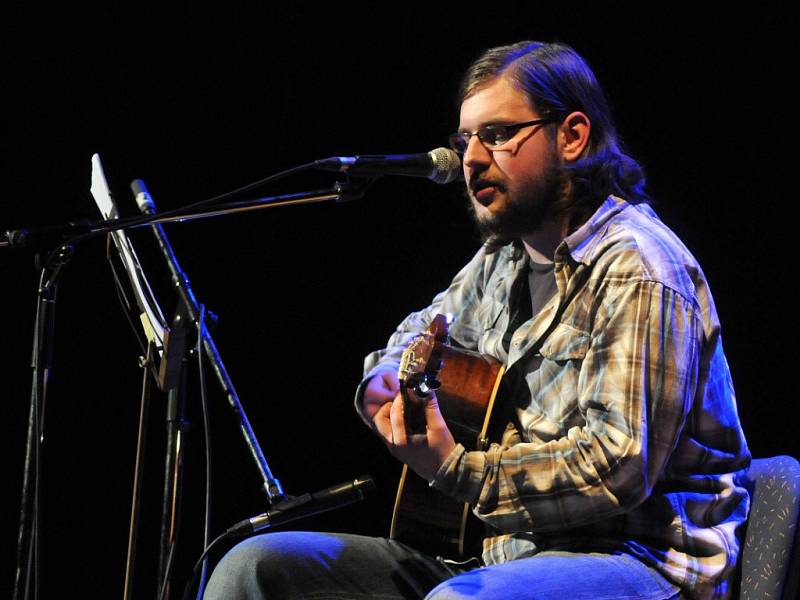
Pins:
x: 77, y: 231
x: 30, y: 525
x: 28, y: 542
x: 173, y: 480
x: 191, y: 309
x: 177, y: 426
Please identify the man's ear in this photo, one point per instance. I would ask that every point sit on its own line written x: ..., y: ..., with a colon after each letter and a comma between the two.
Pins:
x: 573, y: 135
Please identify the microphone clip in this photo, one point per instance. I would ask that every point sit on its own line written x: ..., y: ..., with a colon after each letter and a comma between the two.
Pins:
x: 354, y: 187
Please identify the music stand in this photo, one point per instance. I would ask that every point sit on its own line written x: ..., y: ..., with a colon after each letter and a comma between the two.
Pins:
x: 150, y: 316
x: 164, y: 361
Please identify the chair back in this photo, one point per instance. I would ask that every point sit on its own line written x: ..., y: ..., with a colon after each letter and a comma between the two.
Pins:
x: 770, y: 561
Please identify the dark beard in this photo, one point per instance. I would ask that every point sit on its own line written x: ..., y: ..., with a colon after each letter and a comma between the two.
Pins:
x: 525, y: 212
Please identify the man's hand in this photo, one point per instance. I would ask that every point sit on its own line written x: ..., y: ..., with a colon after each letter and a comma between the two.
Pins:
x: 424, y: 453
x: 381, y: 389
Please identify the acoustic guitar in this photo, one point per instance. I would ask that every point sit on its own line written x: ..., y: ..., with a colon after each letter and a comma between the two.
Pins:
x: 466, y: 385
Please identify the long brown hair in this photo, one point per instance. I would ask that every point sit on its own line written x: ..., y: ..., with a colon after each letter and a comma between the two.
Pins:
x: 558, y: 81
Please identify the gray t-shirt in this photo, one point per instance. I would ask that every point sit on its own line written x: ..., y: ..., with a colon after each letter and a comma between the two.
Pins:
x: 530, y: 295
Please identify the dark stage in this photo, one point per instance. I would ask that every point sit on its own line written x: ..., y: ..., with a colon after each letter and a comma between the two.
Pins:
x: 198, y: 104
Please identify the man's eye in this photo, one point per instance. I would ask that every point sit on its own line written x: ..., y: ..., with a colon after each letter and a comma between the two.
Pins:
x: 488, y: 135
x: 495, y: 135
x: 501, y: 137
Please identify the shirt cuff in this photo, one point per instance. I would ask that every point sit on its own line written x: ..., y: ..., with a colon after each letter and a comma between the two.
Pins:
x: 461, y: 475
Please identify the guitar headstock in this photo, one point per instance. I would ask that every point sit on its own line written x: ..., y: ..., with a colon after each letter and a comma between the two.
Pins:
x: 421, y: 361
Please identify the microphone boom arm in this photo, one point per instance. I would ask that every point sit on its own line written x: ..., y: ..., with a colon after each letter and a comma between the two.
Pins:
x: 42, y: 236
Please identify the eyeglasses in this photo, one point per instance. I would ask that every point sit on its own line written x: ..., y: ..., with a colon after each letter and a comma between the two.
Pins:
x: 492, y: 136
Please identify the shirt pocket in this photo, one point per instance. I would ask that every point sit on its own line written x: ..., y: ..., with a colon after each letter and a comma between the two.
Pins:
x: 565, y: 343
x: 553, y: 376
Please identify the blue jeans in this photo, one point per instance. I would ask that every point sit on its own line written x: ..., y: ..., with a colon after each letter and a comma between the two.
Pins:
x: 323, y: 566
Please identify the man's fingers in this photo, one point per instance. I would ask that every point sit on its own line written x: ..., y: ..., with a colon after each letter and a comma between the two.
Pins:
x: 433, y: 416
x: 381, y: 387
x: 398, y: 421
x: 383, y: 423
x: 380, y: 390
x: 390, y: 381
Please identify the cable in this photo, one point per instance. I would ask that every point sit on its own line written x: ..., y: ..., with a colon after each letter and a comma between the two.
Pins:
x: 202, y: 560
x: 201, y: 329
x: 167, y: 568
x: 41, y: 395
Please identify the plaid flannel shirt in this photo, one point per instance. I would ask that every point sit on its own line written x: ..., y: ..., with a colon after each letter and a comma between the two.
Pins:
x: 625, y: 435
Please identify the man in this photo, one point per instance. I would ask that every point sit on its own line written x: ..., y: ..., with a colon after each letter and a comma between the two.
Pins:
x: 615, y: 475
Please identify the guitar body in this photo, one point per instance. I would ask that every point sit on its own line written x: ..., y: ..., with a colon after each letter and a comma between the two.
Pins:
x: 466, y: 385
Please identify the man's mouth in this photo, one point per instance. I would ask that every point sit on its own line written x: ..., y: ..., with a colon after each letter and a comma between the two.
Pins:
x: 484, y: 191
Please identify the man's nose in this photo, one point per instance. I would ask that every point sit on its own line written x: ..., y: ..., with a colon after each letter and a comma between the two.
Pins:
x: 476, y: 155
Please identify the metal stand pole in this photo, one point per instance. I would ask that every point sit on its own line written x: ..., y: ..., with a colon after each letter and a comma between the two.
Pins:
x: 141, y: 439
x: 28, y: 571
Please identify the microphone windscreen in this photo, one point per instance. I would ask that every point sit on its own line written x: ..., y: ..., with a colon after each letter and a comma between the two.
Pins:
x: 446, y: 165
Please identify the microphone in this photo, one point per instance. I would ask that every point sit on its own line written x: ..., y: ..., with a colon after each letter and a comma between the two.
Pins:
x: 441, y: 165
x: 143, y: 199
x: 306, y: 506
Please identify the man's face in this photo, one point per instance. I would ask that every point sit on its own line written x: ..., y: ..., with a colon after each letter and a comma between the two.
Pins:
x: 513, y: 188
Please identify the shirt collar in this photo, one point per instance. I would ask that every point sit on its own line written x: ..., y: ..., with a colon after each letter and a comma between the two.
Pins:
x: 580, y: 245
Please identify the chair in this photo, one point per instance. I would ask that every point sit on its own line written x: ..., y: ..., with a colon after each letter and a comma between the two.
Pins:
x: 770, y: 561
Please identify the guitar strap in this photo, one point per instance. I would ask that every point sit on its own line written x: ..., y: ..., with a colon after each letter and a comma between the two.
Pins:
x: 513, y: 378
x: 520, y: 308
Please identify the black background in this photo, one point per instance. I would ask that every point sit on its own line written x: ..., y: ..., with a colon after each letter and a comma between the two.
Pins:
x: 197, y: 103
